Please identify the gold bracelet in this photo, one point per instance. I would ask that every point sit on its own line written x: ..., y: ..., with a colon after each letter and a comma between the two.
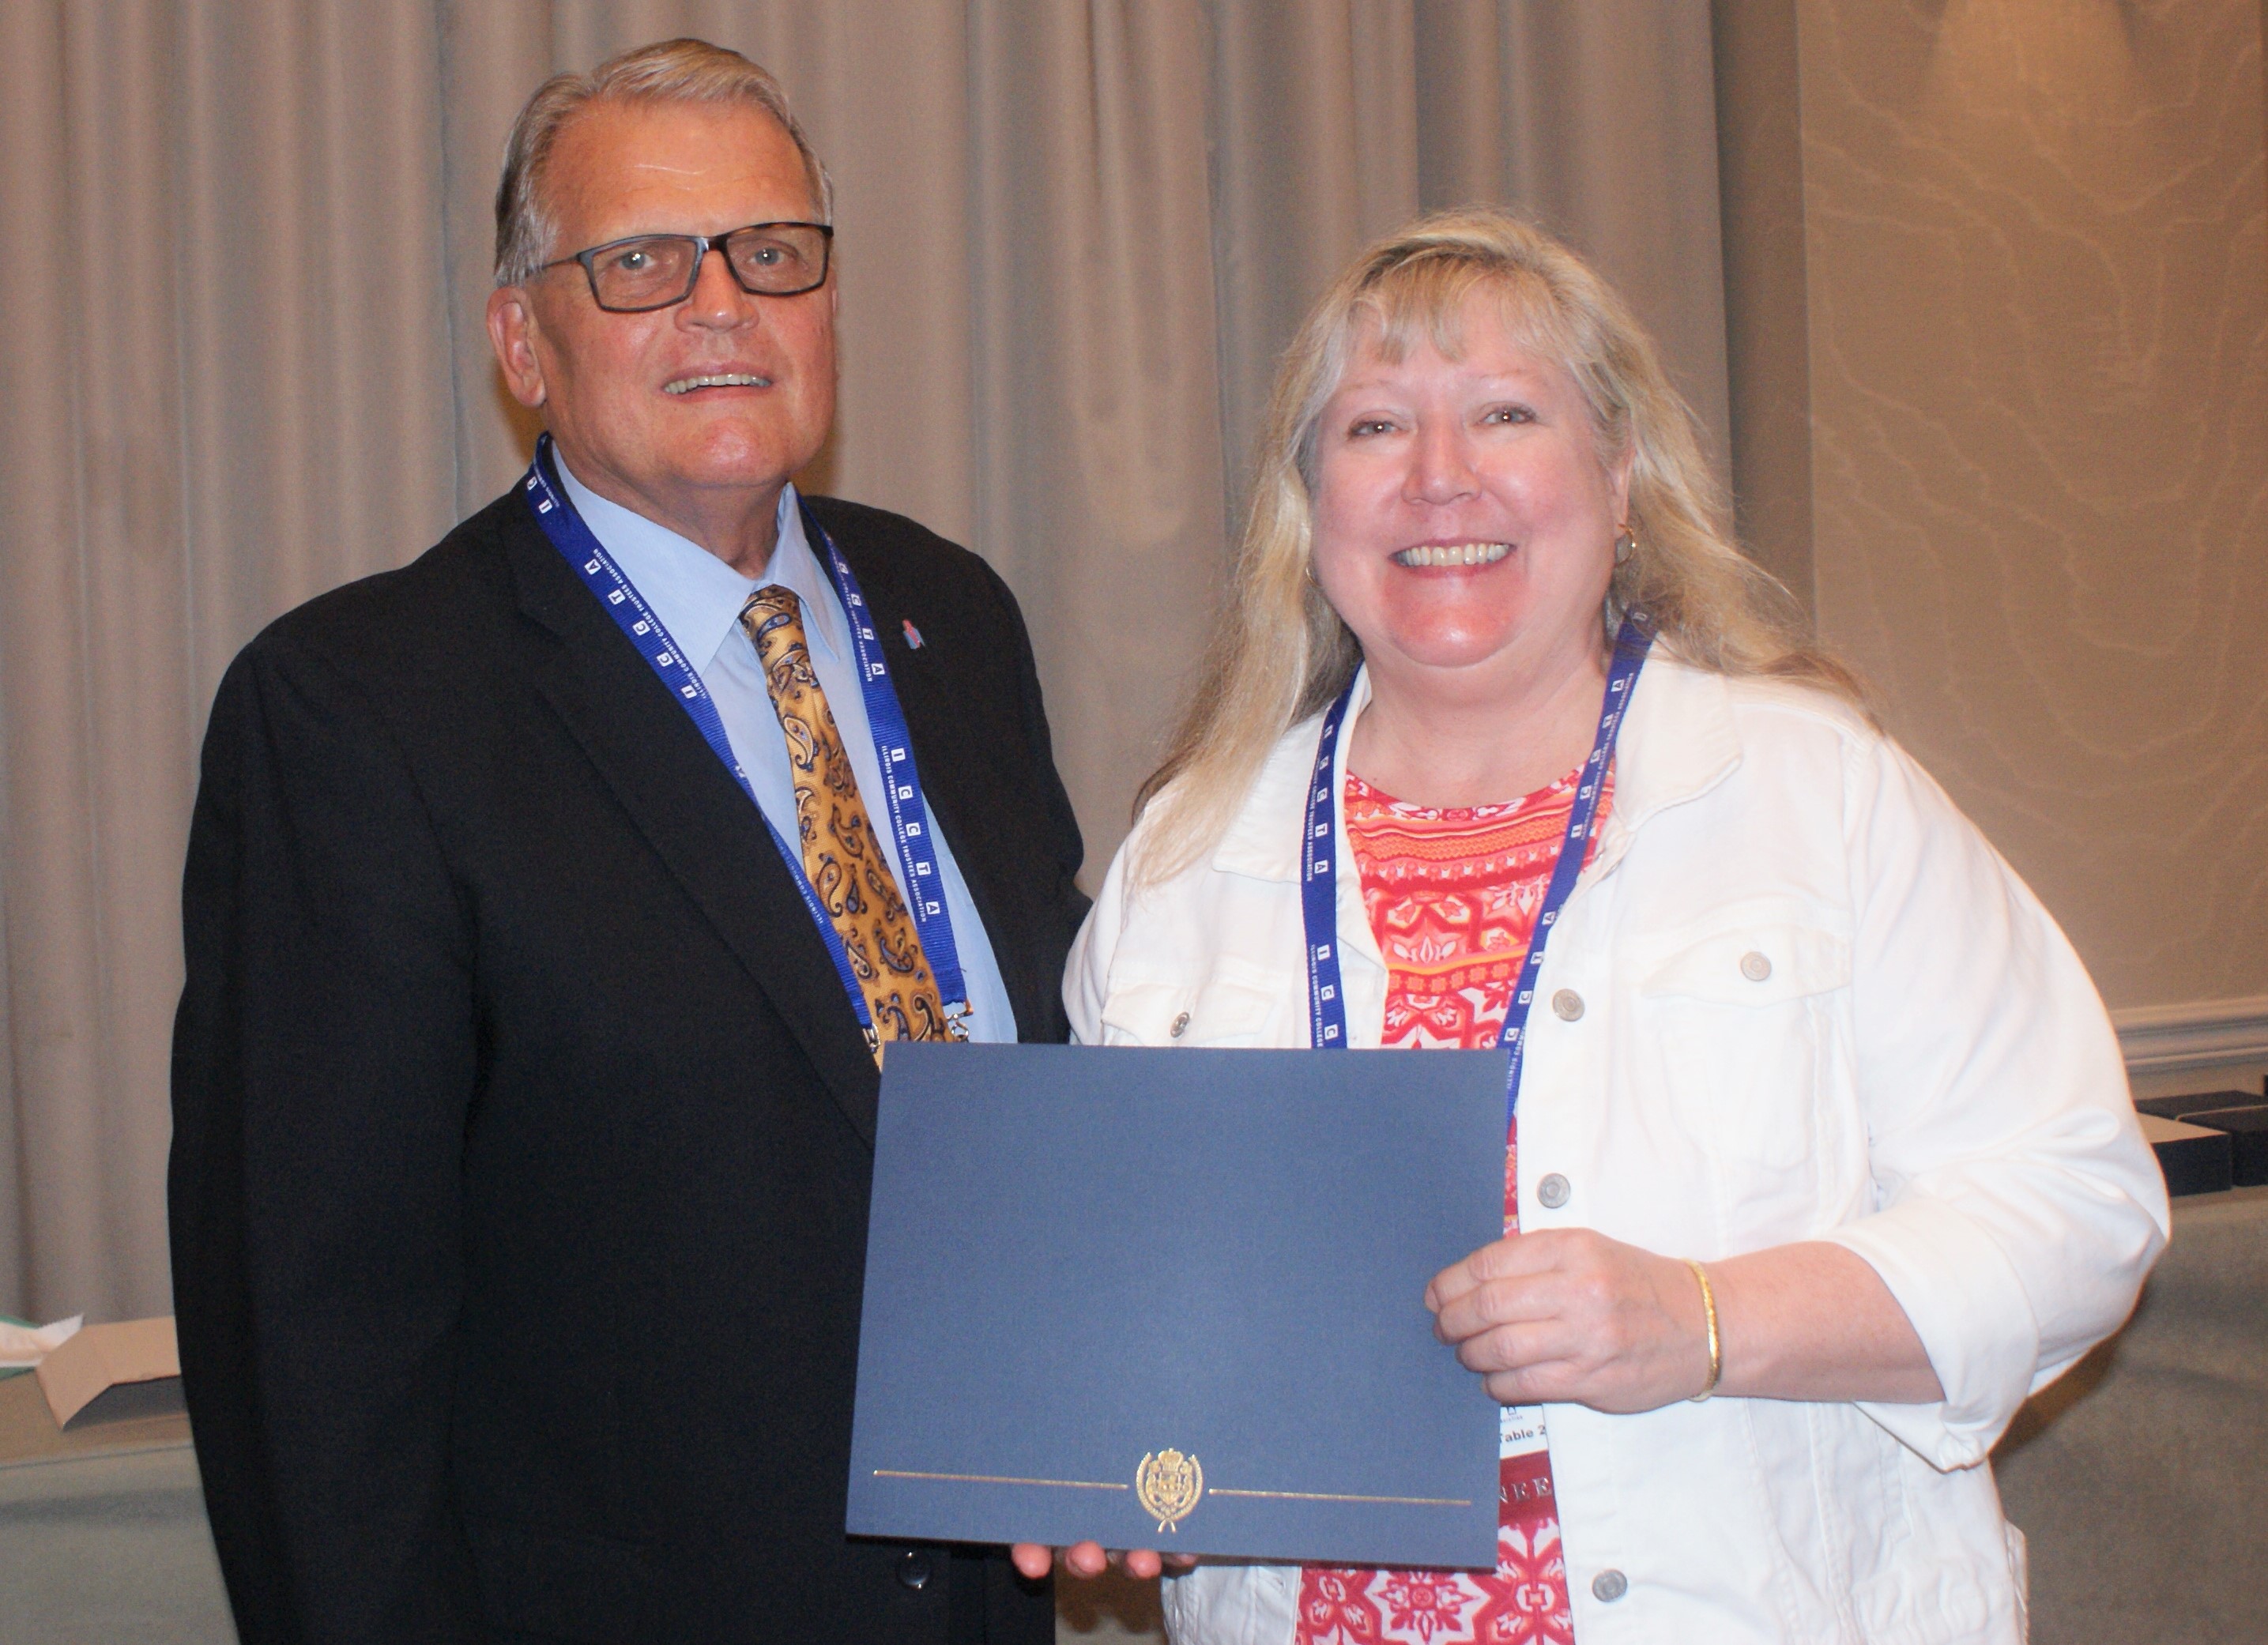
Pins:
x: 1716, y: 1348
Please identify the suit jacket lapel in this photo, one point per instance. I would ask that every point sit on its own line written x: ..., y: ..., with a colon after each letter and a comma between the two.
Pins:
x: 975, y: 850
x: 696, y: 817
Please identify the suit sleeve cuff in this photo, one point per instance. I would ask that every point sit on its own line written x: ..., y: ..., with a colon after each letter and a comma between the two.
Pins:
x: 1963, y: 1299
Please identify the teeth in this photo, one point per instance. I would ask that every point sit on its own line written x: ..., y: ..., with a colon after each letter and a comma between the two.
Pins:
x: 1453, y: 553
x: 722, y: 380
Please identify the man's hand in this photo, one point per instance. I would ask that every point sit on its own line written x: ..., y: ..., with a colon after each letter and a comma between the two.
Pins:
x: 1569, y: 1316
x: 1087, y: 1559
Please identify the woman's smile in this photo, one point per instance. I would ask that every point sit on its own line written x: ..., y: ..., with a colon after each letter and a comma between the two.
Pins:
x: 1450, y: 556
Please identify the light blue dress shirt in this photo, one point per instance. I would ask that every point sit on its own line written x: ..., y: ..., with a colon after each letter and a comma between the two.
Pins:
x: 698, y: 598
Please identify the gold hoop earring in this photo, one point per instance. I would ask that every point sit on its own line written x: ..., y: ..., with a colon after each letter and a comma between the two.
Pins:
x: 1626, y: 546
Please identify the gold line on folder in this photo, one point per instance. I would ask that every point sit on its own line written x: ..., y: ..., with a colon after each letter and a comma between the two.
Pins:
x: 1333, y: 1496
x: 998, y: 1479
x: 1218, y: 1490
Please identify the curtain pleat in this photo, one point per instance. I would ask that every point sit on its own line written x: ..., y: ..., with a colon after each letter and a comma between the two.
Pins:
x: 245, y: 362
x: 1315, y: 153
x: 1599, y: 120
x: 1097, y: 418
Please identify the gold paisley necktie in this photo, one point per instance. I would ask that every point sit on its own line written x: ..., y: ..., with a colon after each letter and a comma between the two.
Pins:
x: 841, y: 853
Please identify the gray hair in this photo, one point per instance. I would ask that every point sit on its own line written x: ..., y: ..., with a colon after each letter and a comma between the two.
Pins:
x: 668, y: 71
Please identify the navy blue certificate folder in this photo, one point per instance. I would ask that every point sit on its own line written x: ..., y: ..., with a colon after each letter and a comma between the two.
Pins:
x: 1176, y: 1299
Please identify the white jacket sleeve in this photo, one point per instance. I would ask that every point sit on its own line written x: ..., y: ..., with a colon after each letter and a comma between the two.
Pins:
x: 1233, y: 1604
x: 2019, y: 1207
x: 1087, y: 973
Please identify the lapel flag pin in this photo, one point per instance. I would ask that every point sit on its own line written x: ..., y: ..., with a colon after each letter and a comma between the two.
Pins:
x: 913, y: 636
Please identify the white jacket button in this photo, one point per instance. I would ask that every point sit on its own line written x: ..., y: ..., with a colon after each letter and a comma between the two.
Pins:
x: 1551, y: 1193
x: 1181, y: 1026
x: 1608, y: 1586
x: 1568, y: 1005
x: 1755, y: 967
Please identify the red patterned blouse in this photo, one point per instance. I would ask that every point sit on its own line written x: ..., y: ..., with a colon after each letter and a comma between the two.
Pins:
x: 1452, y: 896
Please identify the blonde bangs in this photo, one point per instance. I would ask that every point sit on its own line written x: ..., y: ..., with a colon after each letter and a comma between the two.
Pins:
x: 1426, y: 295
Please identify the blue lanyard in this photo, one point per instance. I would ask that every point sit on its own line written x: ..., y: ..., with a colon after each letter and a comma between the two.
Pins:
x: 886, y: 720
x: 1319, y: 884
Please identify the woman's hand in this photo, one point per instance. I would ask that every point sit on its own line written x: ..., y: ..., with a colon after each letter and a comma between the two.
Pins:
x: 1569, y: 1316
x: 1087, y: 1559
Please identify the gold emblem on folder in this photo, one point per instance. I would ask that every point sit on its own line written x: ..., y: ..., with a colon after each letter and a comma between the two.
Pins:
x: 1167, y: 1484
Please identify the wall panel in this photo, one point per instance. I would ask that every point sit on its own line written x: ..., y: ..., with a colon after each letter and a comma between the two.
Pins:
x: 2037, y: 280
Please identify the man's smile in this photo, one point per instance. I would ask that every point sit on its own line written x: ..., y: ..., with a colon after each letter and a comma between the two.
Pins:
x: 716, y: 379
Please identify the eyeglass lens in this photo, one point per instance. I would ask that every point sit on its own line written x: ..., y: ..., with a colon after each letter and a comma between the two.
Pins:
x: 776, y: 259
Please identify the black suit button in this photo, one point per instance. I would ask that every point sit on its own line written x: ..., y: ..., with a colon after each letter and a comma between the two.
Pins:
x: 914, y: 1570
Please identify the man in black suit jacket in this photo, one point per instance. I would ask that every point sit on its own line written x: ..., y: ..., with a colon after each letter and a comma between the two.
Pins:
x: 523, y: 1125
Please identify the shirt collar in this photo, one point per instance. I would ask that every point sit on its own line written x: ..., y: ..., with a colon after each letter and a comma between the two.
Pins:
x: 698, y: 596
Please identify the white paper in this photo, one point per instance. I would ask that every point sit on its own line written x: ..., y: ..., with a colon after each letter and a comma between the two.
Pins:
x: 23, y: 1347
x: 1520, y: 1430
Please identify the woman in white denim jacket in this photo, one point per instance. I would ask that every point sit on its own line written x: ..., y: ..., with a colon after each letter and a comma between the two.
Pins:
x: 1808, y: 1028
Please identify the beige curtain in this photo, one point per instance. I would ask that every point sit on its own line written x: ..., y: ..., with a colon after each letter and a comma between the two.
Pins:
x: 241, y: 361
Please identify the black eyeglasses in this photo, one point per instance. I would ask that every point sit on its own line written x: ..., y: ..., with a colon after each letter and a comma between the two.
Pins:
x: 650, y: 271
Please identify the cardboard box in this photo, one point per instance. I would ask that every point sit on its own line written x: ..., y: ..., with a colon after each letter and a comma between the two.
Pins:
x: 104, y: 1372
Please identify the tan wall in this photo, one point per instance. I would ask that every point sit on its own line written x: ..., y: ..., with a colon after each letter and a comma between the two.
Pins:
x: 2034, y: 290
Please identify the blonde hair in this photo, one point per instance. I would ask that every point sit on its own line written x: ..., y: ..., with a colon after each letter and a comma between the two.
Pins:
x: 667, y: 72
x: 1280, y: 652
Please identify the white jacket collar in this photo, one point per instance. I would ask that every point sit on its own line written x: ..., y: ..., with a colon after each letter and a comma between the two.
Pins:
x: 1678, y: 742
